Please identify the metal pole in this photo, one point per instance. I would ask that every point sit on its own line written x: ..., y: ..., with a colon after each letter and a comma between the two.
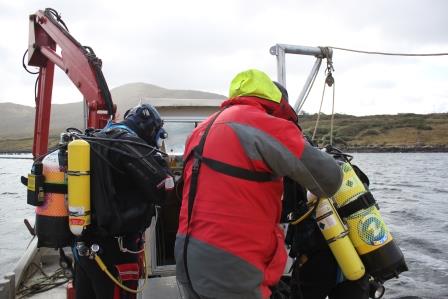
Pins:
x: 306, y: 87
x: 281, y: 71
x: 11, y: 277
x: 319, y: 52
x: 85, y: 113
x: 4, y: 288
x: 302, y: 50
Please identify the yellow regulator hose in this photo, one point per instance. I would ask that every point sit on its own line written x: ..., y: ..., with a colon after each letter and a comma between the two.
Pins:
x: 312, y: 206
x: 103, y: 267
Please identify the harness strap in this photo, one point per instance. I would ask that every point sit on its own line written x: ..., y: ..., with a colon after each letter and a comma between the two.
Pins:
x: 192, y: 192
x: 363, y: 201
x: 236, y: 171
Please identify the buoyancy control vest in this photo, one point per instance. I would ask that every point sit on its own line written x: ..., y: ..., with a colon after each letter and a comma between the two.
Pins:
x: 125, y: 175
x: 121, y: 179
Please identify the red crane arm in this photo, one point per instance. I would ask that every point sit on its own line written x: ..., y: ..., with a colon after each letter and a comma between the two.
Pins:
x: 78, y: 62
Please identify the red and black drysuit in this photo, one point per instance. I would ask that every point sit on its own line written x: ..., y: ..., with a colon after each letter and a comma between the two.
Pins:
x: 236, y: 247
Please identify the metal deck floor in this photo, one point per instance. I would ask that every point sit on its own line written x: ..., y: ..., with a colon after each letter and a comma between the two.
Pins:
x: 161, y: 288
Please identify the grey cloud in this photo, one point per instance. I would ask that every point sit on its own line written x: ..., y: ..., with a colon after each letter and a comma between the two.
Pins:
x: 381, y: 84
x: 154, y: 44
x: 405, y: 21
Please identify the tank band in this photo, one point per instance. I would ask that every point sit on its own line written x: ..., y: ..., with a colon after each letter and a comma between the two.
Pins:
x: 340, y: 236
x: 362, y: 202
x: 77, y: 173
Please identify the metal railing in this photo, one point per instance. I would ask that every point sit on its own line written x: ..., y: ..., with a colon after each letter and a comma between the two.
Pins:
x: 320, y: 53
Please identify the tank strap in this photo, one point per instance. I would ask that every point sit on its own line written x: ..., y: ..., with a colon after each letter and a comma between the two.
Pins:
x: 49, y: 187
x: 363, y: 201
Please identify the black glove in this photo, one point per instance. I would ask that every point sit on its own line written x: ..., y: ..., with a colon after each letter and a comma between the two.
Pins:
x: 280, y: 291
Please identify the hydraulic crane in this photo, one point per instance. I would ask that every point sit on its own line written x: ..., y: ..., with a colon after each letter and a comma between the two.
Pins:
x: 47, y: 32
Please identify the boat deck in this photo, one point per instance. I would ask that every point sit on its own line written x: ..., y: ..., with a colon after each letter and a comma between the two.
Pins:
x: 44, y: 271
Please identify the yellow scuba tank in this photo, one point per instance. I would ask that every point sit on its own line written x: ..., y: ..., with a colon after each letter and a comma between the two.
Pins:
x: 367, y: 230
x: 336, y: 235
x: 78, y: 174
x: 52, y: 216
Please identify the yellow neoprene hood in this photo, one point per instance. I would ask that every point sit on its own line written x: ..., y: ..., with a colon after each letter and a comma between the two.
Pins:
x: 254, y: 83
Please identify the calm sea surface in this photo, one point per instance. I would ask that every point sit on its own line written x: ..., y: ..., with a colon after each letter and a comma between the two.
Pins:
x: 412, y: 191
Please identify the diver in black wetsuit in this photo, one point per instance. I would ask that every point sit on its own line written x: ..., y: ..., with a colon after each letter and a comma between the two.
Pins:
x: 129, y: 176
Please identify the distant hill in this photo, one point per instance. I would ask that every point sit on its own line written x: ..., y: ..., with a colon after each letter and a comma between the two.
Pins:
x: 129, y: 95
x: 400, y: 132
x: 18, y: 120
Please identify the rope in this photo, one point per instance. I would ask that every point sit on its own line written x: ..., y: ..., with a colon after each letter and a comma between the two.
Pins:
x: 329, y: 80
x: 332, y: 116
x: 388, y: 53
x: 44, y: 283
x: 318, y: 115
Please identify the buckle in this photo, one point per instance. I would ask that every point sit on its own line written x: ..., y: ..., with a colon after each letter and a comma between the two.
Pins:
x: 196, y: 164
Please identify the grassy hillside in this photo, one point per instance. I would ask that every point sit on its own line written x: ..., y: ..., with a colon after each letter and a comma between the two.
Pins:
x: 403, y: 132
x: 372, y: 133
x: 379, y: 131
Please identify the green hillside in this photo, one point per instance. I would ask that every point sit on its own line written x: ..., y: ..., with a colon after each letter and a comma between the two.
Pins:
x: 421, y: 132
x: 402, y: 132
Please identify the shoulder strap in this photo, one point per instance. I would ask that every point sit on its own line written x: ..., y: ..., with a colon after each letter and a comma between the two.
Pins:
x: 193, y: 189
x: 197, y: 156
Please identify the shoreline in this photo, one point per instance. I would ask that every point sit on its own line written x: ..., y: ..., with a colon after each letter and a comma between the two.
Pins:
x: 396, y: 149
x: 348, y: 149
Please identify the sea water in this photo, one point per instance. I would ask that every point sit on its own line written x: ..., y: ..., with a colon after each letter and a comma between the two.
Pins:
x: 411, y: 190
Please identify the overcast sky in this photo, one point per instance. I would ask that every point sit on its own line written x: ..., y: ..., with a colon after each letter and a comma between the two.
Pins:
x: 201, y: 45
